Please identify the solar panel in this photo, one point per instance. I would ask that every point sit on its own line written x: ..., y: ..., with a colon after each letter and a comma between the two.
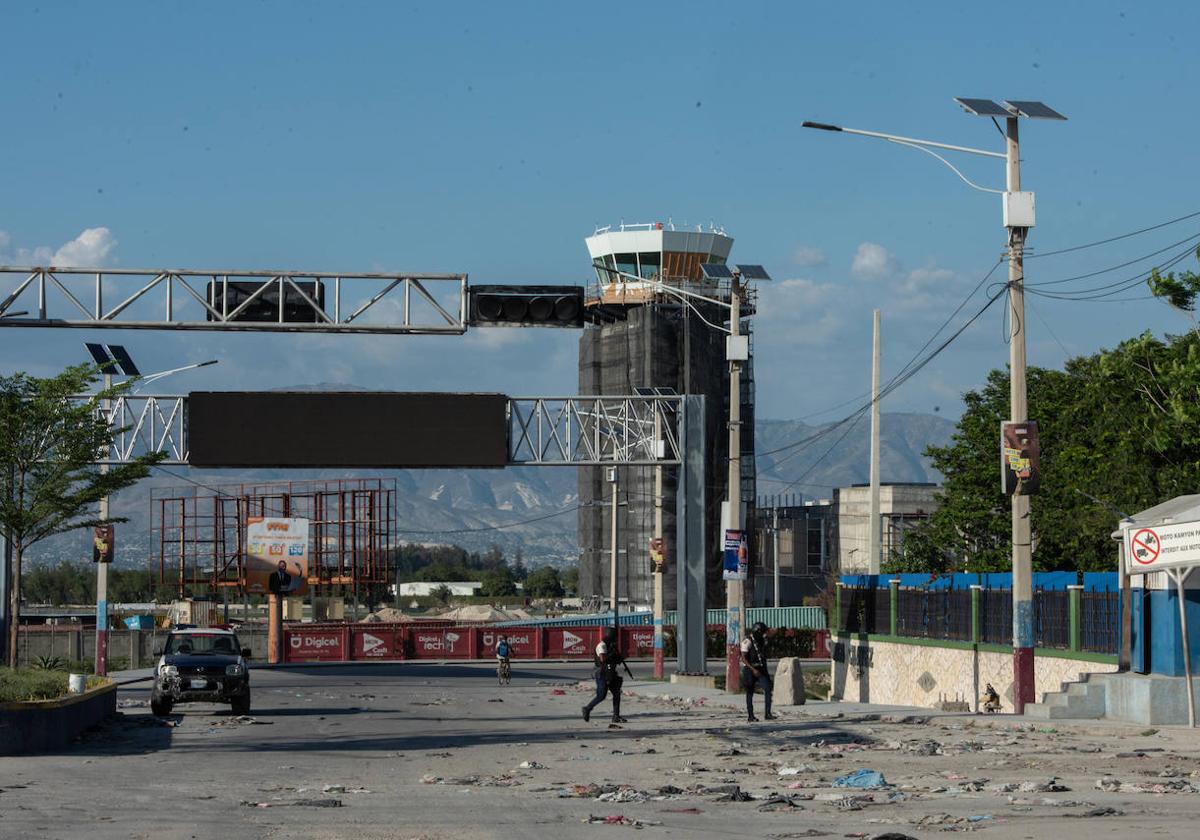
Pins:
x: 982, y: 107
x: 753, y: 272
x: 100, y: 356
x: 716, y: 271
x: 1034, y: 110
x: 127, y: 366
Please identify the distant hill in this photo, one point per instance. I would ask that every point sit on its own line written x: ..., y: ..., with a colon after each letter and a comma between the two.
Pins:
x: 464, y: 506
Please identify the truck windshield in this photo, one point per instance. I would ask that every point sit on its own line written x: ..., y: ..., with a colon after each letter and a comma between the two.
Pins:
x: 202, y: 643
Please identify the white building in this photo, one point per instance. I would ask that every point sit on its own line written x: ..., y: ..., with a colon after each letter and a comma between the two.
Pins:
x: 901, y: 506
x: 460, y: 588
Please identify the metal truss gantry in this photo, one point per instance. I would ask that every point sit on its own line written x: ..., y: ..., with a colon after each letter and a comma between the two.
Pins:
x: 180, y: 300
x: 542, y: 431
x: 593, y: 431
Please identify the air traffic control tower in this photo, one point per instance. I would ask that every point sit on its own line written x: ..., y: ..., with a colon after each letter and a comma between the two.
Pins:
x: 647, y: 333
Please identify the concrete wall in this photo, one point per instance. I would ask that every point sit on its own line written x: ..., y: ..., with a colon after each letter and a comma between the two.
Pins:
x: 869, y: 670
x: 136, y: 647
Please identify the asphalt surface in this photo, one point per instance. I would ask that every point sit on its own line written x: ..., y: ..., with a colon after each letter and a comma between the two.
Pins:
x: 418, y: 750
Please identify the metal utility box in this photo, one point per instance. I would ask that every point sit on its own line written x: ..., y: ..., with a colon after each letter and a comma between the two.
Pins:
x: 1019, y: 209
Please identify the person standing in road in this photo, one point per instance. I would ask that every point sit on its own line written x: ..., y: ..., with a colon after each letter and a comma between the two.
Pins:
x: 607, y: 660
x: 755, y: 670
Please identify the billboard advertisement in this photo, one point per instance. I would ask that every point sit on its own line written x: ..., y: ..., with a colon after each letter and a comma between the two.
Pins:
x: 572, y: 642
x: 308, y: 644
x: 442, y: 643
x: 276, y: 556
x: 375, y: 643
x: 522, y: 640
x: 103, y: 543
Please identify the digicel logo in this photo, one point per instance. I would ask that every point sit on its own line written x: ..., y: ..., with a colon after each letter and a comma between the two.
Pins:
x: 322, y: 641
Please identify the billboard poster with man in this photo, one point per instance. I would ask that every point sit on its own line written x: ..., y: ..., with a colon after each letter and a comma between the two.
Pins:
x: 276, y: 556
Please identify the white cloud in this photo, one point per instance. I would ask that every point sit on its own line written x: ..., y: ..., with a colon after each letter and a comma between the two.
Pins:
x: 90, y: 249
x: 799, y: 312
x: 807, y: 256
x: 873, y: 262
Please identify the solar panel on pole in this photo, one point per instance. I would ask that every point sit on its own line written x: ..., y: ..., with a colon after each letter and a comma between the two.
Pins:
x: 982, y: 107
x: 1034, y: 110
x: 716, y: 271
x: 753, y: 272
x: 128, y: 368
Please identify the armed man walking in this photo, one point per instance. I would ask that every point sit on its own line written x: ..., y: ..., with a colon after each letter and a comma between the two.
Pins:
x: 607, y: 660
x: 755, y: 670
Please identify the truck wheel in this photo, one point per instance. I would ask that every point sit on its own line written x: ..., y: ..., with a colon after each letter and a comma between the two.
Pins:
x: 161, y: 708
x: 241, y: 705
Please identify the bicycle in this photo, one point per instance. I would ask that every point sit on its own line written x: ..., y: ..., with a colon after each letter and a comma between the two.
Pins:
x: 504, y: 672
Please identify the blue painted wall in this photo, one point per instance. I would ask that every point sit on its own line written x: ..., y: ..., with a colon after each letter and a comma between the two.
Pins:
x: 1157, y: 642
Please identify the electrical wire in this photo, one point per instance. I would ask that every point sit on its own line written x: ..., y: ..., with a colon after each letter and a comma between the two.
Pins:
x: 1190, y: 239
x: 1074, y: 248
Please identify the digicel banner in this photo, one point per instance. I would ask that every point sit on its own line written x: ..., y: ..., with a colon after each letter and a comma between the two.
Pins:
x: 305, y: 645
x: 375, y: 643
x: 522, y: 640
x: 637, y: 641
x: 448, y: 643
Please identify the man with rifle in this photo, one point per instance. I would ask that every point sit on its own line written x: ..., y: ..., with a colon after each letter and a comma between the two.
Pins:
x: 607, y: 660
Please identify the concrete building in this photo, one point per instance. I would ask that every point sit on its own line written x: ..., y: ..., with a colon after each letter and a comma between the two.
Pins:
x: 901, y: 506
x: 656, y: 338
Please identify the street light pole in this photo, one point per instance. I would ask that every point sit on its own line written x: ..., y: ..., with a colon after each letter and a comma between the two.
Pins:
x: 102, y: 567
x: 614, y: 601
x: 1022, y: 554
x: 734, y: 589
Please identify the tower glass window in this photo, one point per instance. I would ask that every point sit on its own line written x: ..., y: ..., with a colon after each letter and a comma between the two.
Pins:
x: 627, y: 264
x: 650, y: 264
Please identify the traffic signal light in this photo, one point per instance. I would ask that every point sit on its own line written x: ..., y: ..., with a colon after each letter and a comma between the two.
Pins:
x: 526, y: 306
x: 226, y: 297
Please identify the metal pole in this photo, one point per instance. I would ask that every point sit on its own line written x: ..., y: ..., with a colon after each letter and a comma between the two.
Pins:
x: 1022, y: 559
x: 102, y: 571
x: 658, y: 571
x: 734, y: 588
x: 614, y: 601
x: 775, y: 551
x: 1179, y: 576
x: 873, y: 561
x: 1125, y: 654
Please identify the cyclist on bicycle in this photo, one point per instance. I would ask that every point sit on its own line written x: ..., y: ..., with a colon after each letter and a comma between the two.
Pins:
x: 503, y: 654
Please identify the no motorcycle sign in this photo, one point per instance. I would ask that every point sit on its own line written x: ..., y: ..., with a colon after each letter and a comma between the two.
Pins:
x: 1162, y: 547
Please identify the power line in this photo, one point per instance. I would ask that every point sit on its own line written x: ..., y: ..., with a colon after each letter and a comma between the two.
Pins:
x: 1112, y: 238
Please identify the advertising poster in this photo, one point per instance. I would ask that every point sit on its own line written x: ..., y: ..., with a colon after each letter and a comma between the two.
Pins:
x: 737, y: 556
x: 276, y: 556
x: 1019, y: 451
x: 103, y: 544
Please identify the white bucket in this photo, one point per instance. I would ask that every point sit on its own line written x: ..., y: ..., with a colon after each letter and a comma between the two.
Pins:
x: 77, y: 683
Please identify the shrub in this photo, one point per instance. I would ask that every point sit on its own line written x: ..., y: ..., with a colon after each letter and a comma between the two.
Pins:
x: 25, y: 684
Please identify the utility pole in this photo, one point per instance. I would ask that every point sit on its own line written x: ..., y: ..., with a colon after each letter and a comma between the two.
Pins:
x: 102, y: 569
x: 660, y: 558
x: 614, y: 601
x: 734, y: 589
x: 1022, y: 555
x: 775, y: 550
x: 874, y: 516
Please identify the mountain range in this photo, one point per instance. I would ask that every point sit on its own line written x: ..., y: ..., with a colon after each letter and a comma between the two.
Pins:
x: 532, y: 509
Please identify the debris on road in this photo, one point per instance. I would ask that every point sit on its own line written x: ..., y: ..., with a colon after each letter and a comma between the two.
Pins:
x: 620, y: 819
x: 861, y: 779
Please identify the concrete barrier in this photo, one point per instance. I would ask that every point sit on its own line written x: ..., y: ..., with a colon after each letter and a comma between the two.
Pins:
x: 51, y: 725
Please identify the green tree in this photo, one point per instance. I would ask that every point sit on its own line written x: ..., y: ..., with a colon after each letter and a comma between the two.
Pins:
x: 49, y: 483
x: 442, y: 595
x: 1121, y: 425
x: 570, y: 580
x: 544, y: 583
x: 498, y: 582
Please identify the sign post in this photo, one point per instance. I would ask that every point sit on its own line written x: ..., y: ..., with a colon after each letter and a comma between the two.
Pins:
x: 1175, y: 550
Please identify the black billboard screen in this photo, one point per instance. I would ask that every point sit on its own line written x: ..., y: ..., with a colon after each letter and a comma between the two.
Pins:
x: 346, y: 429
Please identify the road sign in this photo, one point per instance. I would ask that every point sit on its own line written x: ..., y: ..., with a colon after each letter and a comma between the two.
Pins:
x: 1162, y: 547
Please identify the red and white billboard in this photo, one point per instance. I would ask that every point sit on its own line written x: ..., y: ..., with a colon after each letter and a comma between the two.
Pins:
x: 637, y: 641
x: 308, y: 644
x: 442, y: 643
x: 572, y: 642
x: 375, y: 643
x: 522, y: 640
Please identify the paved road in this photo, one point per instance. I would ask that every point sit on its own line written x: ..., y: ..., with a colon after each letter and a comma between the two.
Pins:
x: 434, y: 751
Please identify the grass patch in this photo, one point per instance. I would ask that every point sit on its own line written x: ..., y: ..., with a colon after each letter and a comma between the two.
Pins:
x: 25, y: 684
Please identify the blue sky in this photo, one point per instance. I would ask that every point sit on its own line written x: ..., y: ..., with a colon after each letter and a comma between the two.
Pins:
x: 491, y: 138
